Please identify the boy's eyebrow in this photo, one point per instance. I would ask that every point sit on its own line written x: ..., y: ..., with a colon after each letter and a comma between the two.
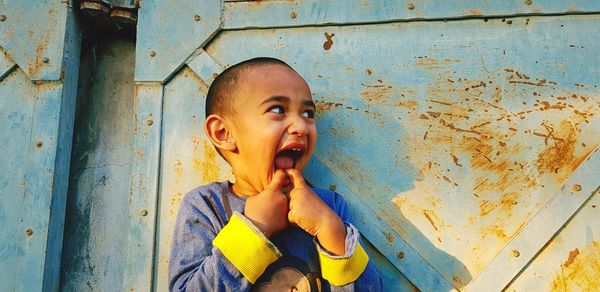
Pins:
x: 310, y: 103
x: 280, y: 98
x: 275, y: 98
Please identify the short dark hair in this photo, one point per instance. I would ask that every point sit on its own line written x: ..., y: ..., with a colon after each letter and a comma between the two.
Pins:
x: 220, y: 99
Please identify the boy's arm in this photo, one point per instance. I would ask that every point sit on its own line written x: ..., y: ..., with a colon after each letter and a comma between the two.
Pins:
x: 342, y: 270
x: 343, y: 261
x: 204, y: 258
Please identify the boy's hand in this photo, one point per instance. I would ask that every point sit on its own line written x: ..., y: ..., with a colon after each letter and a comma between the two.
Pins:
x: 268, y: 210
x: 310, y: 213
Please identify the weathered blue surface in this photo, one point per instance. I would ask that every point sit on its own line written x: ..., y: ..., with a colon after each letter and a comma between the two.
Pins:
x: 96, y: 221
x: 33, y: 33
x: 37, y: 123
x: 248, y: 14
x: 143, y: 194
x: 458, y: 132
x: 404, y: 115
x: 169, y: 32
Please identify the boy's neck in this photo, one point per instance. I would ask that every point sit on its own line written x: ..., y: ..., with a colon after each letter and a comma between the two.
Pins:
x: 243, y: 188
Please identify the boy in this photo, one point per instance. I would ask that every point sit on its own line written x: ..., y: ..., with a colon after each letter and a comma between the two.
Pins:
x: 269, y: 230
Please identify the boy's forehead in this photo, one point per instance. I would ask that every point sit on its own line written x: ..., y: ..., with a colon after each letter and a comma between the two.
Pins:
x: 270, y: 79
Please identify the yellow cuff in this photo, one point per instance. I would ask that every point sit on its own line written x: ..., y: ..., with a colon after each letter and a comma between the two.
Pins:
x: 341, y: 271
x: 246, y: 247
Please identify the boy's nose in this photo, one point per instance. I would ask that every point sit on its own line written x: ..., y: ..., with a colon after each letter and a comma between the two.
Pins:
x: 298, y: 127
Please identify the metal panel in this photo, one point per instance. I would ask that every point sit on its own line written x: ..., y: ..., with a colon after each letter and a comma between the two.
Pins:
x: 33, y: 33
x: 450, y: 139
x: 139, y: 257
x: 37, y: 118
x: 571, y: 261
x: 538, y: 231
x: 245, y: 14
x: 188, y: 158
x: 168, y: 33
x: 464, y: 119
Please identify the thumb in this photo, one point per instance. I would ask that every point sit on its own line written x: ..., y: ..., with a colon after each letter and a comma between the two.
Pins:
x: 297, y: 178
x: 277, y: 180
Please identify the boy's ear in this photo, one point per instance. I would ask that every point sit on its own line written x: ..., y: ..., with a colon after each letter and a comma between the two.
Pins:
x: 217, y: 132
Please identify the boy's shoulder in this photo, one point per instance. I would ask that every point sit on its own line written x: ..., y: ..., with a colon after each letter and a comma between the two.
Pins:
x: 210, y: 193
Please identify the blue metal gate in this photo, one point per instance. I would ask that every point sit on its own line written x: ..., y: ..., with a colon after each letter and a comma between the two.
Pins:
x: 464, y: 137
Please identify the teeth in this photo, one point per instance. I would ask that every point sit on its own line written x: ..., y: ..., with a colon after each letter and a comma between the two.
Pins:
x: 296, y: 149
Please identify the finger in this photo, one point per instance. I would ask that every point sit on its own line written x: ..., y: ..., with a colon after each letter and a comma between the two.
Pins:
x: 297, y: 178
x: 277, y: 180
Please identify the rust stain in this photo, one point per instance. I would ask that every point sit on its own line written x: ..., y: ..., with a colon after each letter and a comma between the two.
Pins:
x: 41, y: 50
x: 323, y: 106
x: 572, y: 255
x: 560, y: 153
x: 474, y: 12
x: 205, y: 160
x: 485, y: 207
x: 455, y: 160
x: 432, y: 218
x: 388, y: 237
x: 329, y: 42
x: 175, y: 201
x: 178, y: 170
x: 581, y: 270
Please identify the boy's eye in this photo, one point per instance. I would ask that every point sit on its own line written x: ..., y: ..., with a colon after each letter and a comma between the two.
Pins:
x: 277, y: 109
x: 309, y: 114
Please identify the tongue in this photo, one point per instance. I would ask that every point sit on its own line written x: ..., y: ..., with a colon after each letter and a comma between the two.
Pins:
x: 284, y: 162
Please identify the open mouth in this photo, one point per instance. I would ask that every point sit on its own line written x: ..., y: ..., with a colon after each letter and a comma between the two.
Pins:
x: 288, y: 157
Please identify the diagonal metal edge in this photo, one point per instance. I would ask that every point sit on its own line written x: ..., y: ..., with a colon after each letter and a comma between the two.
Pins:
x: 158, y: 60
x: 397, y: 251
x: 204, y: 66
x: 542, y: 227
x: 6, y: 64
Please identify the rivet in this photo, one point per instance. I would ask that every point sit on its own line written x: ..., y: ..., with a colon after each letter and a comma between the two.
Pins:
x: 515, y: 253
x: 410, y: 6
x: 197, y: 17
x: 46, y: 60
x: 577, y: 187
x: 39, y: 144
x: 293, y: 14
x: 152, y: 53
x: 332, y: 187
x: 149, y: 122
x: 29, y: 231
x: 2, y: 17
x: 400, y: 254
x: 144, y: 212
x: 528, y: 2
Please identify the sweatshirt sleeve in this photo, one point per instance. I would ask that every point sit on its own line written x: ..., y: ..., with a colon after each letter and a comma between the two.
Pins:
x: 208, y: 257
x: 352, y: 271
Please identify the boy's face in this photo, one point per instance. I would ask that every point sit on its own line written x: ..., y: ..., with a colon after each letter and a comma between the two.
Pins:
x: 274, y: 125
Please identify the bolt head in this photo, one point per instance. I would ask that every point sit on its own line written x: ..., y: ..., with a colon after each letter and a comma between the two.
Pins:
x: 197, y: 17
x: 2, y: 17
